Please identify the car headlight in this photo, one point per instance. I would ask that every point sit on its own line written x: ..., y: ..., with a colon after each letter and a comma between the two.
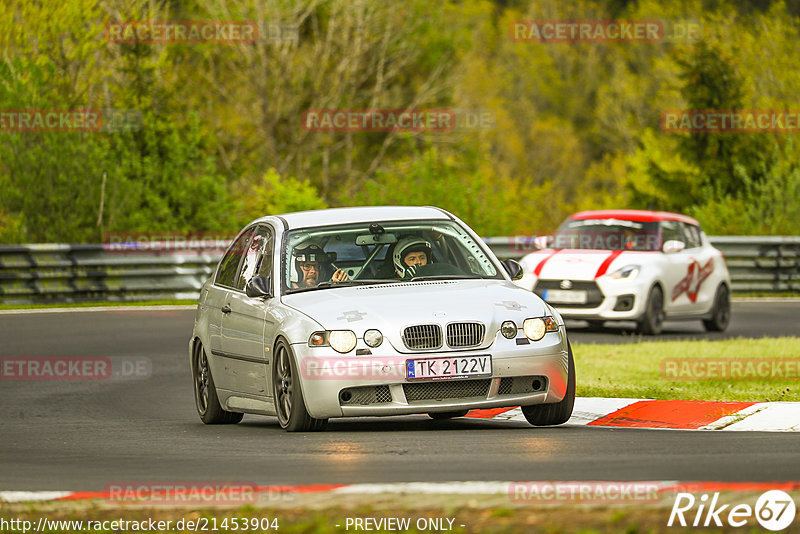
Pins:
x: 535, y: 328
x: 629, y: 272
x: 508, y: 329
x: 373, y: 338
x: 342, y: 340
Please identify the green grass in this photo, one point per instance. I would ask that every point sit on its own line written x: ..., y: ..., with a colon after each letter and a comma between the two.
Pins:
x: 638, y: 370
x: 765, y: 294
x: 94, y: 304
x: 556, y: 519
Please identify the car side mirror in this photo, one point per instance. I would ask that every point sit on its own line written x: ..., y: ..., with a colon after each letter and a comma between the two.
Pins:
x: 259, y: 286
x: 513, y: 268
x: 544, y: 241
x: 672, y: 246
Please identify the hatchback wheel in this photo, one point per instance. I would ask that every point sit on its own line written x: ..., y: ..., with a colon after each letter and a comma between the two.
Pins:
x: 289, y: 403
x: 205, y: 393
x: 721, y: 312
x: 652, y: 322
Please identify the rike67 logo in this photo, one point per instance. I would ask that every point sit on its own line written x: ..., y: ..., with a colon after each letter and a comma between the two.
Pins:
x: 774, y: 510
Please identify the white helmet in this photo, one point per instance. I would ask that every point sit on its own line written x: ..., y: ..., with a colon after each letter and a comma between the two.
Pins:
x: 406, y: 245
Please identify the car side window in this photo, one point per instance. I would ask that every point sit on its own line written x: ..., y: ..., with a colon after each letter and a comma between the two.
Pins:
x: 257, y: 257
x: 692, y: 233
x: 671, y: 231
x: 229, y: 266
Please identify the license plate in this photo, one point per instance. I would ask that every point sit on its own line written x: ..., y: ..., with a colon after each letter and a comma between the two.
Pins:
x: 564, y: 297
x: 450, y: 367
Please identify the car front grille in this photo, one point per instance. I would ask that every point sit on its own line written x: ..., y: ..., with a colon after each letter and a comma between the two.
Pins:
x: 446, y: 389
x: 464, y: 335
x: 594, y: 297
x: 423, y: 337
x: 519, y: 385
x: 365, y: 395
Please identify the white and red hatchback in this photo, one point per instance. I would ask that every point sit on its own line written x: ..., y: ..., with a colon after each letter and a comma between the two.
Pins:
x: 631, y: 265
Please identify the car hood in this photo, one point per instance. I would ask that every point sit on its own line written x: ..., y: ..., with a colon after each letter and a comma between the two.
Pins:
x: 574, y: 264
x: 392, y: 307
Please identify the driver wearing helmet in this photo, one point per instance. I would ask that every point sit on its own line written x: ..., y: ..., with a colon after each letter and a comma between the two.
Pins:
x: 409, y: 254
x: 312, y: 264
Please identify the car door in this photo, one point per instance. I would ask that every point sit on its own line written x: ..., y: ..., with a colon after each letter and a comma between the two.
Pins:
x: 677, y: 269
x: 700, y: 293
x: 244, y: 326
x: 217, y: 303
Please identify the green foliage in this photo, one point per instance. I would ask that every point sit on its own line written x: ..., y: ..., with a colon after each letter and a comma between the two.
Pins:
x: 765, y: 206
x: 464, y: 185
x: 659, y: 177
x: 275, y: 195
x: 711, y: 83
x: 221, y: 139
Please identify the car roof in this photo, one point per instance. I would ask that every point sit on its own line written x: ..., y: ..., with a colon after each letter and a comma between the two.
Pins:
x: 304, y: 219
x: 634, y: 215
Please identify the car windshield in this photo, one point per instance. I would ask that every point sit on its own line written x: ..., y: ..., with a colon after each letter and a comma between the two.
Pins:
x: 607, y: 234
x: 385, y: 252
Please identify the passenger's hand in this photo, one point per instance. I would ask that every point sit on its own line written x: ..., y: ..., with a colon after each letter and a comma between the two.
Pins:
x: 339, y: 276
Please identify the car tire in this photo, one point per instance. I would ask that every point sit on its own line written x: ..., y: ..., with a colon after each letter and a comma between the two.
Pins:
x: 652, y: 322
x: 447, y: 415
x: 288, y: 394
x: 205, y: 392
x: 557, y: 413
x: 721, y: 312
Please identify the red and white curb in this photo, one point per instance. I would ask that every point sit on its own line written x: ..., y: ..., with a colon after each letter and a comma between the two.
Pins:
x: 575, y: 491
x: 674, y: 414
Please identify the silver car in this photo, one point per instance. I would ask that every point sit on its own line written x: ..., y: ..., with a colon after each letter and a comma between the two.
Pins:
x: 368, y: 312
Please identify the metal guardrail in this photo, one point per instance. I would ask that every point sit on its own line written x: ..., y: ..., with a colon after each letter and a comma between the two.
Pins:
x: 90, y: 273
x: 93, y: 273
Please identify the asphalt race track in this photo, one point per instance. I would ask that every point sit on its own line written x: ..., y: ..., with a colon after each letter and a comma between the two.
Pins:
x: 84, y: 435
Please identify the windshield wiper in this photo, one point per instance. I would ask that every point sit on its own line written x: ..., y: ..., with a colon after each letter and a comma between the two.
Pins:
x: 329, y: 284
x: 357, y: 282
x: 446, y: 277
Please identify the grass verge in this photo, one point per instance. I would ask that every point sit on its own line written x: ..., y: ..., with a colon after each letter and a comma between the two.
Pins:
x: 192, y: 302
x: 465, y: 514
x: 692, y: 370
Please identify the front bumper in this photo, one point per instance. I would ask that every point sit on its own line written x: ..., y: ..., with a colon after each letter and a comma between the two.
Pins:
x: 609, y: 299
x: 525, y: 374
